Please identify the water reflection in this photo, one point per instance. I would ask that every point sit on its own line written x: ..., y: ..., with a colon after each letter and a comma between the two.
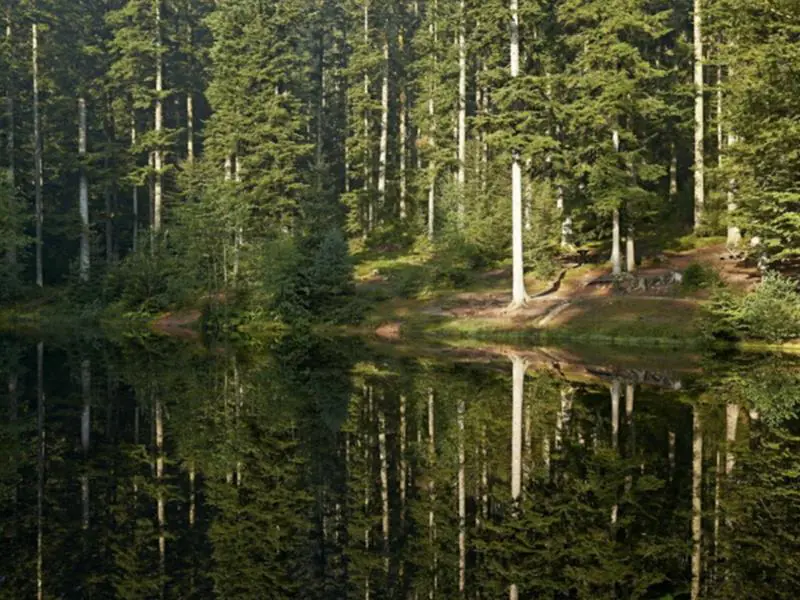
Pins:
x: 321, y: 469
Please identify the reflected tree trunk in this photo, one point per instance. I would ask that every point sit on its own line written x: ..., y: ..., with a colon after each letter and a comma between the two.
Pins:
x: 40, y: 466
x: 385, y: 522
x: 697, y: 502
x: 403, y: 457
x: 519, y: 367
x: 616, y: 392
x: 462, y: 501
x: 432, y: 534
x: 158, y: 414
x: 86, y: 431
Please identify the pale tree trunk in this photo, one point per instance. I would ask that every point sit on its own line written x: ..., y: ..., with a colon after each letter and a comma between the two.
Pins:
x: 462, y: 502
x: 697, y: 503
x: 630, y: 251
x: 83, y: 194
x: 432, y: 168
x: 630, y: 392
x: 672, y: 439
x: 462, y: 111
x: 40, y: 465
x: 616, y: 237
x: 161, y: 500
x: 520, y: 295
x: 135, y: 191
x: 158, y: 154
x: 367, y: 142
x: 731, y: 424
x: 734, y: 233
x: 673, y: 174
x: 37, y: 156
x: 699, y: 117
x: 384, y: 143
x: 404, y: 471
x: 11, y: 249
x: 190, y: 127
x: 86, y: 433
x: 384, y: 481
x: 616, y: 393
x: 238, y: 238
x: 403, y: 156
x: 432, y: 534
x: 519, y: 367
x: 563, y: 418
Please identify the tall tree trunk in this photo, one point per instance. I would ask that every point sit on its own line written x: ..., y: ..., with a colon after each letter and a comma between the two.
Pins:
x: 161, y: 507
x: 697, y: 503
x: 731, y: 424
x: 403, y: 155
x: 83, y: 194
x: 462, y: 110
x: 432, y: 535
x: 616, y: 237
x: 383, y: 452
x: 520, y: 366
x: 135, y: 191
x: 11, y: 248
x: 699, y: 117
x: 404, y: 470
x: 383, y: 156
x: 616, y: 392
x: 520, y: 295
x: 158, y: 154
x: 630, y: 251
x: 86, y: 433
x: 673, y: 174
x: 367, y: 141
x: 37, y: 156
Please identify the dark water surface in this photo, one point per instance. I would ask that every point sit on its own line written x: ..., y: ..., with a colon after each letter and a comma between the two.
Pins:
x: 323, y: 469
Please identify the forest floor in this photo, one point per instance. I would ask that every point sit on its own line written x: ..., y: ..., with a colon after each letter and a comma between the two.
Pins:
x: 582, y: 303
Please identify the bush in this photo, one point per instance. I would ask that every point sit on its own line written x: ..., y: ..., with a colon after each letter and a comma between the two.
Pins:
x: 698, y: 276
x: 771, y: 312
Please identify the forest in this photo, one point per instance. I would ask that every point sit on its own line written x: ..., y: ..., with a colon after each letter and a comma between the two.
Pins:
x: 170, y: 153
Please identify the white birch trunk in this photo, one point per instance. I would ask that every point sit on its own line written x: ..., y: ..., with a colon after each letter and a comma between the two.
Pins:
x: 699, y: 117
x: 462, y: 111
x: 384, y: 143
x: 697, y: 504
x: 158, y: 154
x: 520, y: 295
x: 37, y: 156
x: 83, y: 194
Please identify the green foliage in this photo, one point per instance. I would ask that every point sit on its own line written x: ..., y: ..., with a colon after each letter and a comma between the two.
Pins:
x: 12, y: 221
x: 699, y: 276
x: 145, y: 281
x: 311, y: 279
x: 771, y: 312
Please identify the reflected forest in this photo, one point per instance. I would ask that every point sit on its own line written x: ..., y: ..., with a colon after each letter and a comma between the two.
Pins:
x: 324, y: 470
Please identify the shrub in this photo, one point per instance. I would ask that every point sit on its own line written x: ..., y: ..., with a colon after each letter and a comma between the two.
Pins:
x: 771, y: 312
x: 698, y: 276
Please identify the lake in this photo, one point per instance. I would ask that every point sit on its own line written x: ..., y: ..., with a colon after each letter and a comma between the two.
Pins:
x: 327, y: 468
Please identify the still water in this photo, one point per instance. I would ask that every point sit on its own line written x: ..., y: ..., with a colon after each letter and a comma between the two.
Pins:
x: 325, y: 469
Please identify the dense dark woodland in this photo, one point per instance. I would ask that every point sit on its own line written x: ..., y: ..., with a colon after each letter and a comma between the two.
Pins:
x: 161, y: 151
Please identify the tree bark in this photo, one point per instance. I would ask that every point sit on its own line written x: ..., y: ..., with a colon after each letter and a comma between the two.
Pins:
x: 520, y: 366
x: 135, y: 191
x: 37, y: 156
x: 462, y: 111
x: 86, y: 434
x: 11, y: 248
x: 462, y: 501
x: 697, y: 503
x: 616, y: 242
x: 699, y: 117
x: 189, y: 127
x: 384, y: 143
x: 403, y: 155
x: 520, y: 295
x: 630, y: 251
x: 83, y: 194
x: 158, y: 154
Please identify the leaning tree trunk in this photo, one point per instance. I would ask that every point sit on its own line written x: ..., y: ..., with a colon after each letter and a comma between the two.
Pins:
x: 158, y: 154
x: 37, y: 156
x: 83, y: 195
x: 520, y: 295
x: 699, y: 117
